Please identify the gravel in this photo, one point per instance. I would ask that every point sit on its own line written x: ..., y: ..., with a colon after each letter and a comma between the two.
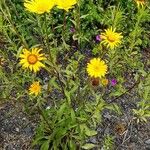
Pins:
x: 16, y: 129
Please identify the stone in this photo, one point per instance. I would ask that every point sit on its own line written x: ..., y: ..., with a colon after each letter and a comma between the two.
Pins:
x: 17, y: 129
x: 147, y: 142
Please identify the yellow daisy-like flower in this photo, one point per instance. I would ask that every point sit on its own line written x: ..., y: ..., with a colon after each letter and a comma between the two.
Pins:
x: 96, y: 68
x: 32, y: 59
x: 35, y: 88
x: 65, y: 4
x: 111, y: 38
x: 39, y: 6
x: 140, y: 2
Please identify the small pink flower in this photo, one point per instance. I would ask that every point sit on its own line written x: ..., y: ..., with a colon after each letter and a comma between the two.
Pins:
x: 72, y: 29
x: 113, y: 82
x: 98, y: 38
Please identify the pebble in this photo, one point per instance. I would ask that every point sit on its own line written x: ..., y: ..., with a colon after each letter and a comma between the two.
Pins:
x: 9, y: 147
x: 17, y: 129
x: 147, y: 142
x: 108, y: 116
x: 48, y: 107
x: 93, y: 140
x: 28, y: 131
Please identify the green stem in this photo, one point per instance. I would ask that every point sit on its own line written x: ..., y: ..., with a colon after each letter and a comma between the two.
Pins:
x: 47, y: 38
x: 64, y: 23
x: 43, y: 116
x: 64, y: 29
x: 78, y: 26
x: 136, y: 30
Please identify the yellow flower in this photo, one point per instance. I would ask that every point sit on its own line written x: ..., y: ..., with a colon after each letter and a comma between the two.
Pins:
x: 111, y: 38
x: 39, y: 6
x: 96, y: 68
x: 104, y: 81
x: 65, y: 4
x: 140, y: 2
x: 32, y: 59
x: 35, y: 88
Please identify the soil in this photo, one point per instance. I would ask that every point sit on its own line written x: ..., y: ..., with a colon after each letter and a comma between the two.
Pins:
x: 16, y: 128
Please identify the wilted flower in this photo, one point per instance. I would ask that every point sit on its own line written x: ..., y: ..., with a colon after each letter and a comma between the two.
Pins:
x: 104, y: 81
x: 95, y: 81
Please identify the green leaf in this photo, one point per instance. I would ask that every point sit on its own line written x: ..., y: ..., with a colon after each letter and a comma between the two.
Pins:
x: 37, y: 140
x: 60, y: 133
x: 45, y: 145
x: 88, y: 146
x: 73, y: 117
x: 146, y: 93
x: 84, y: 16
x: 1, y: 22
x: 75, y: 87
x: 19, y: 51
x: 67, y: 94
x: 87, y: 130
x: 61, y: 110
x: 53, y: 83
x: 115, y: 108
x: 90, y: 132
x: 97, y: 115
x: 72, y: 145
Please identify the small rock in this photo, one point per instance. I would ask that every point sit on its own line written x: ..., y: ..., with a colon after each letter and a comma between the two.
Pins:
x: 24, y: 118
x: 132, y: 146
x: 108, y: 116
x: 147, y: 141
x: 48, y: 107
x: 107, y: 130
x: 17, y: 129
x: 93, y: 140
x: 28, y: 131
x: 99, y: 129
x: 9, y: 147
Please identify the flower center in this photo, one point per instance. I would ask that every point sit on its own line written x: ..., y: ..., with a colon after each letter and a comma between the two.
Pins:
x: 111, y: 38
x: 35, y: 88
x: 96, y: 68
x: 32, y: 59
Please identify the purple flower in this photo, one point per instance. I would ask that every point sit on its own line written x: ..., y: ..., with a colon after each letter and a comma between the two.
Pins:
x: 72, y: 29
x: 113, y: 82
x: 98, y: 38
